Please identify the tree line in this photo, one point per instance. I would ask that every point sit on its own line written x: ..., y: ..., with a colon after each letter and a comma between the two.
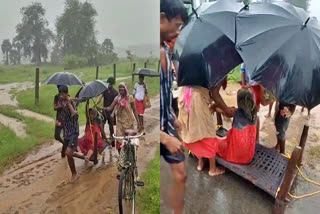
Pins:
x: 73, y: 43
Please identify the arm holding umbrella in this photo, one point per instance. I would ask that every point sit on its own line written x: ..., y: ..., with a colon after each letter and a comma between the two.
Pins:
x: 71, y: 108
x: 99, y: 99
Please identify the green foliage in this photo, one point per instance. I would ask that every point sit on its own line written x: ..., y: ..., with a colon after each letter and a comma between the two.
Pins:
x: 72, y: 62
x: 33, y: 33
x: 130, y: 55
x: 6, y: 47
x: 235, y: 75
x: 76, y: 29
x: 148, y: 199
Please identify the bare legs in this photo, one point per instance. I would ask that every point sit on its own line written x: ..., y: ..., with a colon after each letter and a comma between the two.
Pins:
x: 214, y: 170
x: 270, y: 109
x: 176, y: 194
x: 72, y: 166
x: 142, y: 124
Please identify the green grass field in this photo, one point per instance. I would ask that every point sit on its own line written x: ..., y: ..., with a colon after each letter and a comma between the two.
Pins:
x: 13, y: 147
x: 148, y: 199
x: 22, y: 73
x: 47, y: 92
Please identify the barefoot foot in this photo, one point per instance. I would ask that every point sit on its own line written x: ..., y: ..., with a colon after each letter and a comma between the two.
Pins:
x: 218, y: 171
x: 74, y: 178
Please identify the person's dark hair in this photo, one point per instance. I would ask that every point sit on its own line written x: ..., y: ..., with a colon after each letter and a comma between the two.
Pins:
x: 173, y: 9
x: 141, y: 76
x: 93, y: 111
x: 246, y: 102
x: 58, y: 86
x: 63, y: 89
x: 111, y: 80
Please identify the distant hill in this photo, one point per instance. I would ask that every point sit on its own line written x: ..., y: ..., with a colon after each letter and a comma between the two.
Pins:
x: 142, y: 50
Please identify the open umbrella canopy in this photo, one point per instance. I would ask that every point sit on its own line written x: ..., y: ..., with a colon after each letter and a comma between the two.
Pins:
x: 64, y: 78
x: 205, y: 48
x: 280, y: 46
x: 93, y: 89
x: 146, y: 72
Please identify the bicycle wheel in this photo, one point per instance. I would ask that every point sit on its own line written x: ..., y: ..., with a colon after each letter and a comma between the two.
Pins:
x: 127, y: 194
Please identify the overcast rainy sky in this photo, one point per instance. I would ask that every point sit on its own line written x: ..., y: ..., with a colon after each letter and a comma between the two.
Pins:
x: 126, y: 22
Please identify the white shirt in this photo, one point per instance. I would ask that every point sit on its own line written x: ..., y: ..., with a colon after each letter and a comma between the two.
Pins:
x: 139, y: 91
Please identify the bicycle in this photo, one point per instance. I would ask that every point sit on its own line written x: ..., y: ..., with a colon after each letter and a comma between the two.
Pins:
x: 129, y: 172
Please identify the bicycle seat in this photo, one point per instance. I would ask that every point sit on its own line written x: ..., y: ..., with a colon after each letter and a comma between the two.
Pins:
x: 130, y: 132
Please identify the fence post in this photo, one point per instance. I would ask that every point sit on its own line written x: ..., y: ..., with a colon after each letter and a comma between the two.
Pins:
x: 114, y: 71
x: 133, y: 70
x: 145, y: 64
x: 97, y: 72
x: 37, y: 87
x: 159, y: 66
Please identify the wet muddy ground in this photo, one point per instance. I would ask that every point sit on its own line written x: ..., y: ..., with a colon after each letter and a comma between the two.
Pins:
x: 229, y: 193
x: 39, y: 183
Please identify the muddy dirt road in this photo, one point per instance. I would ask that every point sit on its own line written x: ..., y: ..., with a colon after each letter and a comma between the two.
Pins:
x: 229, y: 193
x: 40, y: 183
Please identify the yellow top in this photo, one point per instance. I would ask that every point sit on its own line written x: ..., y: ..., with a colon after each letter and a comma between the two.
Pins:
x: 199, y: 123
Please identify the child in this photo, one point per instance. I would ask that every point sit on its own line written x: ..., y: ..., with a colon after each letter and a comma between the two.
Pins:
x: 139, y: 92
x: 86, y: 143
x: 239, y: 145
x: 71, y: 128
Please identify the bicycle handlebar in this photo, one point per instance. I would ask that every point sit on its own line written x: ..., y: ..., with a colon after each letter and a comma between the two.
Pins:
x: 127, y: 137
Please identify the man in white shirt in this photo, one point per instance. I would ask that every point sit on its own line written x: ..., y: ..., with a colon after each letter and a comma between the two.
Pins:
x: 139, y: 92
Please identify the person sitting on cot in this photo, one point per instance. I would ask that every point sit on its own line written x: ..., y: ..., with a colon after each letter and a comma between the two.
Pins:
x: 86, y: 143
x: 239, y: 145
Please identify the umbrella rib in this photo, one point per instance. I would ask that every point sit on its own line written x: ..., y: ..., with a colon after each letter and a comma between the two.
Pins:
x: 254, y: 36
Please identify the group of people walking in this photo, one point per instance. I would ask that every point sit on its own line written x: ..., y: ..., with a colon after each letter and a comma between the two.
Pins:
x: 119, y: 109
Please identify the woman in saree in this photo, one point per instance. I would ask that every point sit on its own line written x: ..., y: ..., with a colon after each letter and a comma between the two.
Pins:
x: 124, y: 110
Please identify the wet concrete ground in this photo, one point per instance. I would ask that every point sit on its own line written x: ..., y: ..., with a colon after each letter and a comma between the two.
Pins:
x: 230, y: 194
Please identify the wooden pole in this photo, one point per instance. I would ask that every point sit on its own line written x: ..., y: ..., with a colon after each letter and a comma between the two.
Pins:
x: 145, y: 64
x: 114, y: 71
x: 302, y: 143
x: 97, y: 72
x: 281, y: 200
x: 159, y: 66
x: 37, y: 86
x: 95, y: 149
x: 133, y: 70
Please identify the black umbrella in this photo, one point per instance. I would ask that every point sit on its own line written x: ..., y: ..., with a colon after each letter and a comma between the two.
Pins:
x: 205, y: 48
x: 64, y: 78
x: 280, y: 45
x: 146, y: 72
x: 93, y: 89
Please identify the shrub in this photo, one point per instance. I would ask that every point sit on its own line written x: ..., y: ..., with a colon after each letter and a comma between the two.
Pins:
x: 72, y: 62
